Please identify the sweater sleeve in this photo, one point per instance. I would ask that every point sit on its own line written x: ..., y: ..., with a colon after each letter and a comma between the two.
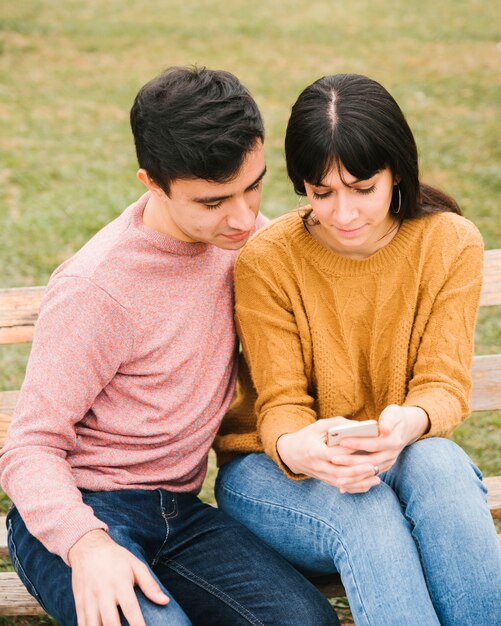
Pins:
x: 270, y: 337
x: 81, y: 338
x: 441, y: 378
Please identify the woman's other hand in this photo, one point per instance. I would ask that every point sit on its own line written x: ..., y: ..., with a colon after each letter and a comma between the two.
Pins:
x: 306, y: 452
x: 399, y: 426
x: 352, y: 467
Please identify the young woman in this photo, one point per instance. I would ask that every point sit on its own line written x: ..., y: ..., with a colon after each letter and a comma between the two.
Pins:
x: 362, y: 306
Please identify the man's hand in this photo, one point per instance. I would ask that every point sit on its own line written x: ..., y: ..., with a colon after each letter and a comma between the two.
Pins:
x: 306, y: 452
x: 103, y: 579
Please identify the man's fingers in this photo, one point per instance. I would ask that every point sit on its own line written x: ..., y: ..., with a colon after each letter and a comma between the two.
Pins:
x: 98, y: 601
x: 131, y: 610
x: 148, y: 584
x: 110, y: 616
x: 87, y: 612
x: 99, y: 609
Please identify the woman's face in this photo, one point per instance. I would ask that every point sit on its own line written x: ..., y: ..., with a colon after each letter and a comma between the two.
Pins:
x: 354, y: 216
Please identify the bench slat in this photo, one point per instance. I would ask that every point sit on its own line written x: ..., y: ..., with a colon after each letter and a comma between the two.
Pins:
x: 18, y: 313
x: 486, y: 391
x: 19, y: 306
x: 486, y: 387
x: 4, y: 552
x: 14, y: 599
x: 330, y: 585
x: 491, y: 289
x: 8, y: 401
x: 493, y: 484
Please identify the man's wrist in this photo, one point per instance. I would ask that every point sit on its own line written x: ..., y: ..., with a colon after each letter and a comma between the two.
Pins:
x: 92, y: 539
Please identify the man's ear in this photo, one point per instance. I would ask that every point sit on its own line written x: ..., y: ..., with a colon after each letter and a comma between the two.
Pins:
x: 148, y: 182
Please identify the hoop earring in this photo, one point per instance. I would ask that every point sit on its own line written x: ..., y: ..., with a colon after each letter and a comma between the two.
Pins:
x: 397, y: 211
x: 312, y: 219
x: 309, y: 218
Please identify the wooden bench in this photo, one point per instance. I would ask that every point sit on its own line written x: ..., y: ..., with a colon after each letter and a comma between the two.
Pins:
x: 18, y: 314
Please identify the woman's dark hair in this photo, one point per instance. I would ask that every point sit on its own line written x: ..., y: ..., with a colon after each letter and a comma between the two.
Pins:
x: 194, y: 123
x: 351, y: 121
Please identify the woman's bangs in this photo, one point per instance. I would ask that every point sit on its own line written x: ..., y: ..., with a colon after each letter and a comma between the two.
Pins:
x: 358, y: 156
x: 318, y: 157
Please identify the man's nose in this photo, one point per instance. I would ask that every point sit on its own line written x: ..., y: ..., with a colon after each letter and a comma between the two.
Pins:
x: 241, y: 216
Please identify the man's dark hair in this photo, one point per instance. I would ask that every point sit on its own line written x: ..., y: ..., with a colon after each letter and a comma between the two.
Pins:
x: 194, y: 123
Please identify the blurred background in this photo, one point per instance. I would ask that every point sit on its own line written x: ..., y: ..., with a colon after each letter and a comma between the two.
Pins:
x: 70, y: 71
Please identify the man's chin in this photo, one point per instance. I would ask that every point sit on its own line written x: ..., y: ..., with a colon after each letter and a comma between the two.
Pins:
x: 231, y: 244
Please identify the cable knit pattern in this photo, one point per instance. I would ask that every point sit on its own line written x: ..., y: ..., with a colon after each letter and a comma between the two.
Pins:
x: 327, y: 335
x: 132, y: 368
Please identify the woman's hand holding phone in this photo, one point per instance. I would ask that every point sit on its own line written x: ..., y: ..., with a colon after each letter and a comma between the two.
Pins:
x: 354, y: 464
x: 306, y: 452
x: 398, y: 427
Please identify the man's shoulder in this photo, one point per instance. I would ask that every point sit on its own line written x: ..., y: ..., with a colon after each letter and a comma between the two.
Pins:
x: 105, y: 255
x: 99, y: 268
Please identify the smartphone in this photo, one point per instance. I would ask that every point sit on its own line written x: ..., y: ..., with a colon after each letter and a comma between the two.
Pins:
x: 368, y: 428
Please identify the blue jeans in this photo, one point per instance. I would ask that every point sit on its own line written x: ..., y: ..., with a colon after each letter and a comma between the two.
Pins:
x: 420, y: 549
x: 214, y: 570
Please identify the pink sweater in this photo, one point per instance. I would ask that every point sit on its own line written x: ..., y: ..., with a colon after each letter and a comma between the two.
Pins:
x: 131, y: 371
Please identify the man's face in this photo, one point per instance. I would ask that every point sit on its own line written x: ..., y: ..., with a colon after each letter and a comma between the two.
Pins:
x: 221, y: 214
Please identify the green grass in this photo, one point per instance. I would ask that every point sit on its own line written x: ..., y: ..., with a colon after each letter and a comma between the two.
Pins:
x: 70, y: 70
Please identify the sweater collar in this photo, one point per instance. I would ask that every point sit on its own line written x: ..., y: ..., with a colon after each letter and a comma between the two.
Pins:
x: 335, y: 263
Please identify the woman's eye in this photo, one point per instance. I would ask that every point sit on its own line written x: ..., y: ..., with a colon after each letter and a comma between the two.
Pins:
x: 321, y: 196
x: 368, y: 190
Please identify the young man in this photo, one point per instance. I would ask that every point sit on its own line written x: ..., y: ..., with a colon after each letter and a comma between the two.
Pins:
x: 132, y: 368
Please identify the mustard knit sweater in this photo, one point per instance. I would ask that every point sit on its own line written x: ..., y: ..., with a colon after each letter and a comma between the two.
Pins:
x: 326, y: 335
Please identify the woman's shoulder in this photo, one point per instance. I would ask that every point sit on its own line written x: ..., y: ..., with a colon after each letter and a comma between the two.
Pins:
x: 456, y: 230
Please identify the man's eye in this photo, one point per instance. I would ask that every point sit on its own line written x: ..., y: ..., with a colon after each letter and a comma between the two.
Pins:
x: 214, y: 206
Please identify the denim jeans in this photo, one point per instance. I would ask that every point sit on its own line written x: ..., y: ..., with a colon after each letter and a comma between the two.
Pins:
x: 420, y: 549
x: 214, y: 570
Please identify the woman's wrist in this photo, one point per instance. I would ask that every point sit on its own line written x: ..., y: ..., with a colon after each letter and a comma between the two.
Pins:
x: 283, y: 447
x: 417, y: 422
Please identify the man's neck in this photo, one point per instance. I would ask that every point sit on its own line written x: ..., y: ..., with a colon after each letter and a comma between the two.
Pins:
x: 156, y: 217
